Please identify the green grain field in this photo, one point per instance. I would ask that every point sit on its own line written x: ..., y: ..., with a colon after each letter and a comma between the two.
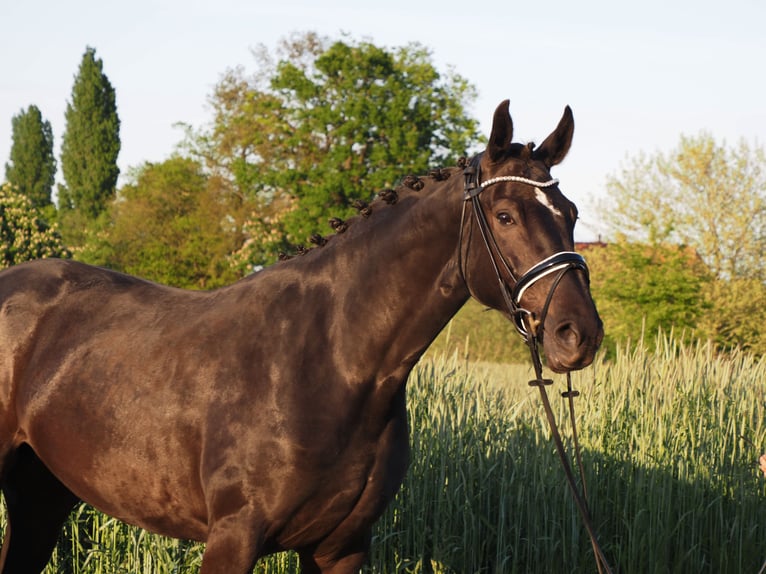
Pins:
x: 670, y: 438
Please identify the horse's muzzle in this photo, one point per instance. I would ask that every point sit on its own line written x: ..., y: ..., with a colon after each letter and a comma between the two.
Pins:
x: 571, y: 345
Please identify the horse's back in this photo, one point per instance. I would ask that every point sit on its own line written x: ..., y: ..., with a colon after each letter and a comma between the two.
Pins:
x: 29, y: 289
x: 46, y: 300
x: 27, y: 294
x: 32, y: 296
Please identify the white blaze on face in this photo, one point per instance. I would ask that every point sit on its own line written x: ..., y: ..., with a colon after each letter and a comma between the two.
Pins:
x: 543, y: 198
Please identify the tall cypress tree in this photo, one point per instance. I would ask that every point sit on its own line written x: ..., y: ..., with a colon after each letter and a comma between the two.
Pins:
x: 32, y: 166
x: 91, y: 142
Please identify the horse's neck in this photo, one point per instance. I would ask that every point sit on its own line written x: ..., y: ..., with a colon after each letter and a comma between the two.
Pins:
x: 398, y: 281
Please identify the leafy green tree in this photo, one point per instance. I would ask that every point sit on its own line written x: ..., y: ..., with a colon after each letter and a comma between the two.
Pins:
x: 171, y: 224
x: 324, y: 122
x: 641, y: 289
x: 704, y: 194
x: 711, y: 197
x: 32, y: 166
x: 737, y: 314
x: 91, y: 142
x: 24, y: 234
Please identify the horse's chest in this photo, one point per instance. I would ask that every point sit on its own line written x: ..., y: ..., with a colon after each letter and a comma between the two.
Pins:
x: 353, y: 492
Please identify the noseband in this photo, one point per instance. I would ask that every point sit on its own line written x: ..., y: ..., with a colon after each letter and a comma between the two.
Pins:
x: 560, y: 262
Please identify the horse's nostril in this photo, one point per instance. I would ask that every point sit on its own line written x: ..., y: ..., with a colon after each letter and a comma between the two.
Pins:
x: 568, y: 334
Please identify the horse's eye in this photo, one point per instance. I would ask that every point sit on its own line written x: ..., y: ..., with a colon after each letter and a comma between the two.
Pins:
x: 505, y: 218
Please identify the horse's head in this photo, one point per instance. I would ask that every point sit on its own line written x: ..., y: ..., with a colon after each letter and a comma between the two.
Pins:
x: 520, y: 254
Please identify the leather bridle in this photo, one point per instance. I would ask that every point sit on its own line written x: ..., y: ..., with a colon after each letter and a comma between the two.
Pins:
x: 561, y: 262
x: 529, y: 326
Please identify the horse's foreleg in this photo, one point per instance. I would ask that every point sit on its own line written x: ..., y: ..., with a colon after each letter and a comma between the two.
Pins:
x: 350, y: 564
x: 232, y: 546
x: 348, y: 561
x: 38, y: 504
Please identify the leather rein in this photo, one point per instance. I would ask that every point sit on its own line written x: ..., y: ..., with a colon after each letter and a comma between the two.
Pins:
x: 531, y: 327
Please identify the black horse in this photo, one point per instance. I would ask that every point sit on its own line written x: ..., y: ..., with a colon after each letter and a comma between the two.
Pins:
x: 270, y: 414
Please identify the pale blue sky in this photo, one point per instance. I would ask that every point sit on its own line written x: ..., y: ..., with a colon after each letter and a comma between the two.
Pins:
x: 637, y: 75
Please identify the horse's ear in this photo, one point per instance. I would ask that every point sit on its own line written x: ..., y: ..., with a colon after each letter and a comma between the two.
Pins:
x: 555, y: 147
x: 502, y: 132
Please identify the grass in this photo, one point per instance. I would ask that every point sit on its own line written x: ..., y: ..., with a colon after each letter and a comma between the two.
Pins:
x: 669, y: 439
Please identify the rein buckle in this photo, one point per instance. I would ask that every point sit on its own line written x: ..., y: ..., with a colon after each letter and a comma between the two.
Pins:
x: 540, y: 382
